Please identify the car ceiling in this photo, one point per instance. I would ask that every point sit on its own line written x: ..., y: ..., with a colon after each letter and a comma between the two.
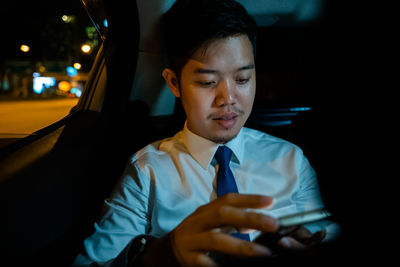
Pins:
x: 289, y: 13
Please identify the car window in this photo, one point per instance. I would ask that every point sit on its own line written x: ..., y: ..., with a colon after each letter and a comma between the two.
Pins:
x: 49, y: 49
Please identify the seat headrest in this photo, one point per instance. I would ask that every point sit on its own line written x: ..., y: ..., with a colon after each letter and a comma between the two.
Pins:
x: 265, y: 12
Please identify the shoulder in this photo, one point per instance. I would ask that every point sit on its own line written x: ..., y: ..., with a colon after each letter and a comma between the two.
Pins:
x: 142, y: 165
x: 151, y: 149
x: 255, y: 138
x: 260, y: 146
x: 157, y: 151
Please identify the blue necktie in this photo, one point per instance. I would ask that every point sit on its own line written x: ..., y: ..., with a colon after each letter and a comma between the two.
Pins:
x: 225, y: 180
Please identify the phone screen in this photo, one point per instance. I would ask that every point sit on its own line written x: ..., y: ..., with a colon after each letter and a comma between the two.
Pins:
x: 304, y: 217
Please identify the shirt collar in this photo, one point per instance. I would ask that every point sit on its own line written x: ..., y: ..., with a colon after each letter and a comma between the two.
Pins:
x: 202, y: 150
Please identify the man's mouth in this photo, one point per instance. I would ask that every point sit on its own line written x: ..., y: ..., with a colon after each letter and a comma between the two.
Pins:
x: 226, y: 120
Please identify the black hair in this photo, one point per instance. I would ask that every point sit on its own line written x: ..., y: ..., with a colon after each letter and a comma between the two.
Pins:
x: 191, y: 24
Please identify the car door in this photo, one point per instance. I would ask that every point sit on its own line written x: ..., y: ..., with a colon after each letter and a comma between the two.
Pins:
x: 52, y: 182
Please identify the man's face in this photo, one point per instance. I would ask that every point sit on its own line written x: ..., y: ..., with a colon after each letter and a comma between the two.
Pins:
x: 217, y: 88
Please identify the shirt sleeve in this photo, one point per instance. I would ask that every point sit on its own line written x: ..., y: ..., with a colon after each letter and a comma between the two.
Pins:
x: 308, y: 195
x: 125, y: 216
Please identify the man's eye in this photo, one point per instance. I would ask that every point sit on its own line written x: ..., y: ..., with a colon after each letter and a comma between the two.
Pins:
x: 206, y: 83
x: 242, y: 81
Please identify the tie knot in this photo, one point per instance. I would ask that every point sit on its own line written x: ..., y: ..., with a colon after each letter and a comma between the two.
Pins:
x: 223, y: 155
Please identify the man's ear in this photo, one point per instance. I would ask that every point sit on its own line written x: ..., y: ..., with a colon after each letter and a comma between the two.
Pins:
x: 172, y: 81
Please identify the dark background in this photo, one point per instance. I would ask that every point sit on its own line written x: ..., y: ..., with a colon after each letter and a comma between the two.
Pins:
x: 38, y: 24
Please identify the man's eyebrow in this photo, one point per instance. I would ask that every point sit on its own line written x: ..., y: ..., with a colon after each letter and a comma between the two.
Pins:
x: 210, y: 71
x: 204, y: 71
x: 247, y: 67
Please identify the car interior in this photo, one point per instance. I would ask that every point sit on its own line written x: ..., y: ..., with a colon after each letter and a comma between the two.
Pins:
x: 53, y: 183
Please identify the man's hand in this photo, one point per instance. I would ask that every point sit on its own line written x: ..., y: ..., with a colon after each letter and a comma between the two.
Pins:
x: 202, y: 231
x: 293, y: 237
x: 300, y: 238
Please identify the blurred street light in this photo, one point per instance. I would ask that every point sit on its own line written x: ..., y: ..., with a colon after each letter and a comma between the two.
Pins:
x: 68, y: 18
x: 24, y: 48
x: 77, y: 66
x: 86, y: 48
x: 64, y: 86
x: 72, y: 72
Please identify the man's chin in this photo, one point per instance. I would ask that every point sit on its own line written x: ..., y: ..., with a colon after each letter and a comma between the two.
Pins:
x: 222, y: 139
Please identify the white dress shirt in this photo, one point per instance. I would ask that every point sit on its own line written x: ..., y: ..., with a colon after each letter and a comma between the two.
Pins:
x: 169, y: 179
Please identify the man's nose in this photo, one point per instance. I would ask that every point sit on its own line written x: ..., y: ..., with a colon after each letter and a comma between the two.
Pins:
x: 225, y: 94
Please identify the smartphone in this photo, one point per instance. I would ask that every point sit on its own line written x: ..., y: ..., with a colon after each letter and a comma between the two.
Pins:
x: 289, y: 224
x: 304, y: 217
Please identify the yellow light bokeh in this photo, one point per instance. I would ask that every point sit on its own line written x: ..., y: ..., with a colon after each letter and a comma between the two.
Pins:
x: 24, y: 48
x: 85, y: 48
x: 64, y: 86
x: 68, y: 18
x: 77, y: 66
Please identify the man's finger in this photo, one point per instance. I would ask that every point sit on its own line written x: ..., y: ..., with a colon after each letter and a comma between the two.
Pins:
x: 316, y: 238
x: 200, y: 259
x: 301, y: 234
x: 239, y: 201
x: 220, y: 242
x: 290, y: 243
x: 235, y: 217
x: 245, y: 200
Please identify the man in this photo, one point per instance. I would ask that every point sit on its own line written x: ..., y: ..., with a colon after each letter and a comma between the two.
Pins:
x: 171, y: 201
